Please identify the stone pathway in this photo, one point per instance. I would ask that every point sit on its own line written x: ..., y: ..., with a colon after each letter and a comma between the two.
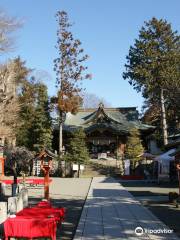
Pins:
x: 111, y: 212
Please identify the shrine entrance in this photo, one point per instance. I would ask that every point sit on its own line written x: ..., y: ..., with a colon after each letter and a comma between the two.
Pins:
x: 102, y: 142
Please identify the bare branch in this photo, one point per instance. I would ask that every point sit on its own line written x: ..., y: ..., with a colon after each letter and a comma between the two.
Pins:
x: 8, y: 25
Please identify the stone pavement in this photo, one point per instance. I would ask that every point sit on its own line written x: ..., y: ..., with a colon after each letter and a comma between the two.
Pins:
x: 111, y: 212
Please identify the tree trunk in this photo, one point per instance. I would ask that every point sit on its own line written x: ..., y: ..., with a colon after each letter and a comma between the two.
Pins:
x: 60, y: 146
x: 60, y: 139
x: 163, y: 118
x: 78, y: 173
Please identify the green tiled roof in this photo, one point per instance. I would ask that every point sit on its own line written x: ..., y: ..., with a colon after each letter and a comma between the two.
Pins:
x: 120, y: 120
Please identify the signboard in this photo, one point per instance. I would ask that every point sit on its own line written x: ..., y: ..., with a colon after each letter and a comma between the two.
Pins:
x: 75, y: 167
x: 102, y: 155
x: 127, y: 167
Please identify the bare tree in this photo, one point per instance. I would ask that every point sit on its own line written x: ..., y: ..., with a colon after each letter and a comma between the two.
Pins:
x: 11, y: 75
x: 91, y: 100
x: 8, y: 102
x: 7, y: 27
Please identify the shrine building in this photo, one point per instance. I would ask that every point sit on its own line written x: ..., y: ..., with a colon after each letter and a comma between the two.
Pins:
x: 106, y: 129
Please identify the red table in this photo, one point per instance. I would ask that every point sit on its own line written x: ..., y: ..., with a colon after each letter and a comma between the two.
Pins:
x: 34, y: 222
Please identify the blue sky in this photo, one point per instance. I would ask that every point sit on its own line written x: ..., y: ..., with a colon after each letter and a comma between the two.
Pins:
x: 106, y: 29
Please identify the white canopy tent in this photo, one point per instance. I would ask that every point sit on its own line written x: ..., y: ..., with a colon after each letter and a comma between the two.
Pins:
x: 164, y: 163
x: 147, y: 155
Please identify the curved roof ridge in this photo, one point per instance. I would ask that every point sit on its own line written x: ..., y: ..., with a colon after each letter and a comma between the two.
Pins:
x: 95, y: 114
x: 106, y: 108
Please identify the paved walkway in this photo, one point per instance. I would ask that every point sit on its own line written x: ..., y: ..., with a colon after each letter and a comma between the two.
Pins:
x: 111, y: 212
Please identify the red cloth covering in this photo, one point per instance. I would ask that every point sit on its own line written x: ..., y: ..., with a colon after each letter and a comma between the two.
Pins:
x: 30, y: 228
x: 34, y: 222
x: 44, y: 204
x: 28, y: 180
x: 41, y: 212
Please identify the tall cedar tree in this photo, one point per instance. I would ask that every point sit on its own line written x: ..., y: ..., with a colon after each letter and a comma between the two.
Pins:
x: 78, y: 152
x: 134, y: 147
x: 153, y: 65
x: 69, y: 69
x: 35, y: 132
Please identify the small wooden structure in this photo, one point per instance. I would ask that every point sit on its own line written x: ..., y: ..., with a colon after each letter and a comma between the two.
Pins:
x: 46, y: 158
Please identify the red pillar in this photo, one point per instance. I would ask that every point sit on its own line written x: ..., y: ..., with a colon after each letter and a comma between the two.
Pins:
x: 46, y: 182
x: 2, y: 166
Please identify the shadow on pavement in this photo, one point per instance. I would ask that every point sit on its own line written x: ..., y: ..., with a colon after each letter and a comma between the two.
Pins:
x: 168, y: 214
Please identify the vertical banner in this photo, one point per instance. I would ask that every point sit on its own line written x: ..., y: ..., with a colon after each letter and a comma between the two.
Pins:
x: 1, y: 160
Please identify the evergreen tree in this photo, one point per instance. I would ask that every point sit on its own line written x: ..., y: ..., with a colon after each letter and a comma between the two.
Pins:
x: 153, y: 65
x: 77, y: 149
x: 41, y: 126
x: 35, y: 131
x: 27, y: 97
x: 134, y: 147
